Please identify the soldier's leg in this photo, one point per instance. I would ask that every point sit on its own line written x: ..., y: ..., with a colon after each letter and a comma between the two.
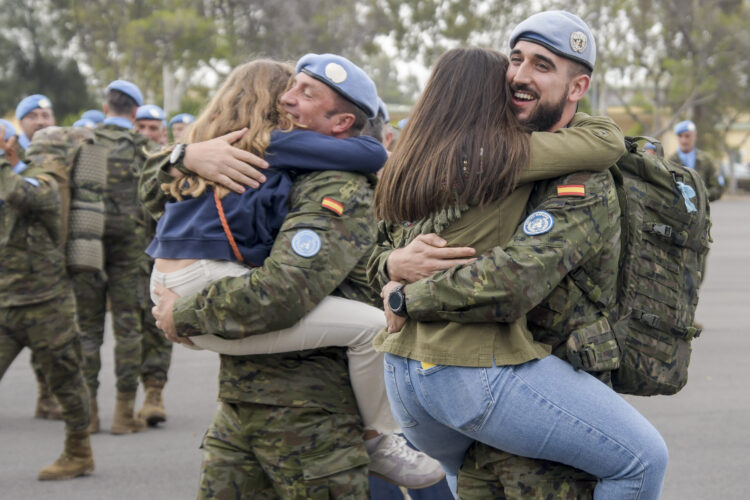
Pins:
x: 491, y: 473
x: 307, y: 452
x: 46, y: 404
x: 11, y: 339
x: 91, y: 303
x: 229, y: 468
x: 157, y: 354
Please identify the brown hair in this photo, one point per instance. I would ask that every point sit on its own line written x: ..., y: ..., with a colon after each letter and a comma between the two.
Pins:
x: 462, y: 143
x: 248, y: 98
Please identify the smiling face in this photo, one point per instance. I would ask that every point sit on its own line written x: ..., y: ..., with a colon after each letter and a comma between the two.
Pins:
x: 311, y: 103
x: 544, y: 95
x: 35, y: 120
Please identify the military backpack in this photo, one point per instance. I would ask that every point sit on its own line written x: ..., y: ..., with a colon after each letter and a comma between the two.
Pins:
x: 665, y: 239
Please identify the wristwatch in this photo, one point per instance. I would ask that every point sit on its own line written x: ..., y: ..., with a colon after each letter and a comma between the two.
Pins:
x: 397, y: 301
x: 178, y: 153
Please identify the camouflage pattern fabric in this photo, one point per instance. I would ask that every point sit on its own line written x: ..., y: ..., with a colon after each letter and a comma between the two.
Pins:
x: 309, y: 389
x: 34, y: 314
x: 156, y: 351
x: 706, y: 167
x: 124, y: 245
x: 263, y: 451
x: 490, y: 473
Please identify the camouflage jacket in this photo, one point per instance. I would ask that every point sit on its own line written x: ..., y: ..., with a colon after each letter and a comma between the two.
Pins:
x: 706, y: 167
x: 32, y: 261
x: 288, y: 285
x: 531, y: 275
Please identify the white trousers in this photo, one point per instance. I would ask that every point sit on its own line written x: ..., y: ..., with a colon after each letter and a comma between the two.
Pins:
x: 333, y: 322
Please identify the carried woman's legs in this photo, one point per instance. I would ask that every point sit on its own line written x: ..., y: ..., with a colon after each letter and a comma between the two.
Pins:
x: 540, y: 409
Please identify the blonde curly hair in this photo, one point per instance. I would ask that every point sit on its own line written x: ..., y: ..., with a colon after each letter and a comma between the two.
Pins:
x: 250, y: 97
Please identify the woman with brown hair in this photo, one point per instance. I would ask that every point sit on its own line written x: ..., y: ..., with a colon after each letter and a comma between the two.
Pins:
x: 462, y: 169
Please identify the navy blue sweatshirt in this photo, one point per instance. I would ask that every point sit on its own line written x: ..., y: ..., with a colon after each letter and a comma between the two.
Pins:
x: 191, y: 228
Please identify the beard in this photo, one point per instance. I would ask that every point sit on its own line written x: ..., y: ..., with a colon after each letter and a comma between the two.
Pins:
x: 546, y: 115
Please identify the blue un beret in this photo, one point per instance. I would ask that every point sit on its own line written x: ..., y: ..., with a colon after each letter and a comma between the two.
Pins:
x: 150, y: 112
x: 128, y: 88
x: 649, y: 145
x: 85, y: 122
x: 344, y: 77
x: 182, y: 118
x: 563, y: 33
x: 684, y: 126
x: 94, y: 115
x: 383, y: 110
x: 10, y: 130
x: 29, y: 104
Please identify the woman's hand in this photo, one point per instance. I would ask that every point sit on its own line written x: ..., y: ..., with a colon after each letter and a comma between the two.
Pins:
x: 393, y: 322
x: 164, y: 315
x: 424, y: 256
x: 217, y: 160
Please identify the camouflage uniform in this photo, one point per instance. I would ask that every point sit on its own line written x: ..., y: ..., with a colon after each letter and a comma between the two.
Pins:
x: 497, y: 288
x: 37, y: 306
x: 124, y: 245
x: 288, y: 424
x: 706, y: 167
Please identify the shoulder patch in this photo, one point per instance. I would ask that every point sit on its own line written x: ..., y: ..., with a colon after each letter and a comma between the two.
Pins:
x: 571, y: 190
x: 538, y: 222
x: 332, y: 205
x: 306, y: 243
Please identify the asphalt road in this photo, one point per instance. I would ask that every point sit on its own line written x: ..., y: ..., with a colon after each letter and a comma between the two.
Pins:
x: 706, y: 425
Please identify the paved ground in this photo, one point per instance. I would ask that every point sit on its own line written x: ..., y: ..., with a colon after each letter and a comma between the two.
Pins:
x: 706, y: 425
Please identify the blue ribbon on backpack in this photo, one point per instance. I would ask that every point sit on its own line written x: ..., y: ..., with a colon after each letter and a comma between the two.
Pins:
x: 687, y: 193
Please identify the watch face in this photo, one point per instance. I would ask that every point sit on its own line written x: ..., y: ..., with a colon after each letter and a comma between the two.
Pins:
x: 395, y: 300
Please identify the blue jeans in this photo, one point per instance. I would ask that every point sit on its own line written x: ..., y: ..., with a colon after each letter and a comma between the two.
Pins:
x: 539, y: 409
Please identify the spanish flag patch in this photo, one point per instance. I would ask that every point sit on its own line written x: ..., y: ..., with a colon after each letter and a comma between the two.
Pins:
x: 332, y: 205
x: 571, y: 190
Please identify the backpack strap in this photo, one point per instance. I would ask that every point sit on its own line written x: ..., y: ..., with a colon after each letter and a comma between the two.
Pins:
x: 590, y: 289
x: 225, y: 225
x: 654, y: 321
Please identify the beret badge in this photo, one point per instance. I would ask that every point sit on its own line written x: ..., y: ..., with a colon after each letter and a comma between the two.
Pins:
x: 578, y: 41
x: 335, y: 72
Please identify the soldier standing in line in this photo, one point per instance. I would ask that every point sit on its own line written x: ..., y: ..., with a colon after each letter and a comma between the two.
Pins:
x: 691, y: 157
x: 35, y: 113
x: 178, y: 124
x: 37, y: 304
x: 124, y: 243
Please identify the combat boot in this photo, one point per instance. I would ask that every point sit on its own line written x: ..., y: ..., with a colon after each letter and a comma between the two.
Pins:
x: 76, y: 459
x: 46, y: 404
x: 94, y: 422
x: 124, y: 422
x: 153, y: 410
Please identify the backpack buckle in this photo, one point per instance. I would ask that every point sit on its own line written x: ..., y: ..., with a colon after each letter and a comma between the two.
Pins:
x: 661, y: 229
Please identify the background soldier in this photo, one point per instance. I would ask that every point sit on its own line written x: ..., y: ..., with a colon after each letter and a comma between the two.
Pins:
x: 124, y: 244
x: 150, y: 123
x: 37, y: 305
x: 691, y: 157
x: 178, y: 124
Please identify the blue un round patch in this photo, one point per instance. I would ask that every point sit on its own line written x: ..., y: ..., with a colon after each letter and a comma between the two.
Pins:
x: 538, y: 222
x: 306, y: 243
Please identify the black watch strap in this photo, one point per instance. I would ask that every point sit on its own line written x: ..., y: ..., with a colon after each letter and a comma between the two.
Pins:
x: 397, y: 301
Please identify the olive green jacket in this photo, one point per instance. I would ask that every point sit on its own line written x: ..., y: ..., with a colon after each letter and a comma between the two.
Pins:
x: 495, y: 292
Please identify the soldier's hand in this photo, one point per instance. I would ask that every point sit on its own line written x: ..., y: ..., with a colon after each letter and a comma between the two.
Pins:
x: 393, y: 322
x: 424, y: 256
x: 163, y: 313
x: 8, y: 147
x: 219, y: 161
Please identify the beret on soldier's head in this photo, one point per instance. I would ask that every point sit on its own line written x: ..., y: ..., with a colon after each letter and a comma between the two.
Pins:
x: 402, y: 123
x: 684, y: 126
x: 150, y: 112
x: 344, y: 77
x: 10, y: 130
x: 563, y: 33
x: 182, y: 118
x: 85, y: 122
x: 29, y: 104
x: 94, y: 115
x: 649, y: 145
x: 383, y: 110
x: 128, y: 88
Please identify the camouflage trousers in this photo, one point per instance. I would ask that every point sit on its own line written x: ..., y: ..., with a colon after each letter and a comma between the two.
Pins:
x: 49, y: 329
x: 490, y: 473
x: 124, y: 287
x: 156, y: 349
x: 267, y: 452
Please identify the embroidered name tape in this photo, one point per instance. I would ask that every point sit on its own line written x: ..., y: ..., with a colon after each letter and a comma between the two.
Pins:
x: 332, y: 205
x: 539, y: 222
x: 571, y: 190
x: 306, y: 243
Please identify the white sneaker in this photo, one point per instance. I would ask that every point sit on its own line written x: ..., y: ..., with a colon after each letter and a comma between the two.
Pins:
x: 396, y: 462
